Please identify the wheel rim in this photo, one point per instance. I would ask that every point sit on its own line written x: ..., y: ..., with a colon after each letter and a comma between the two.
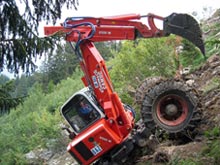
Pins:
x: 172, y: 110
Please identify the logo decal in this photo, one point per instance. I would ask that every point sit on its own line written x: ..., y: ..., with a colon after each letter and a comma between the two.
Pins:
x: 95, y: 82
x: 98, y: 81
x: 105, y: 139
x: 95, y: 150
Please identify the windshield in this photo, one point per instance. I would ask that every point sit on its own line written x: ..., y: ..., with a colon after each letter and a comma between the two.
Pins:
x: 80, y: 113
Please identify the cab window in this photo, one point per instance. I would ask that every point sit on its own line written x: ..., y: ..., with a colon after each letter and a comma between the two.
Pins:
x: 80, y: 113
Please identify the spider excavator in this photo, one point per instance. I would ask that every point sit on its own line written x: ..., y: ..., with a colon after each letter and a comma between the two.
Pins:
x: 102, y: 129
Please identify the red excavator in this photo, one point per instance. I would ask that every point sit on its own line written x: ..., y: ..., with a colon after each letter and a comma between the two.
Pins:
x: 102, y: 128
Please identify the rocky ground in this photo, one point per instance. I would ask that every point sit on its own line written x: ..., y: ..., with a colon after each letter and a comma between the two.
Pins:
x: 207, y: 81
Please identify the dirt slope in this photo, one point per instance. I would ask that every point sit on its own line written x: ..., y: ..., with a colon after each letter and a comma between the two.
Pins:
x: 207, y: 80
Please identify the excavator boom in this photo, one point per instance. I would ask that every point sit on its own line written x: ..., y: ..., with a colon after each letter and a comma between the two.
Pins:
x: 127, y: 27
x: 106, y: 129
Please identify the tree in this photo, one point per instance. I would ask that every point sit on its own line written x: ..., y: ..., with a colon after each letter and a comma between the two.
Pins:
x: 7, y: 101
x: 58, y: 65
x: 3, y: 79
x: 140, y: 59
x: 61, y: 64
x: 19, y: 41
x: 105, y: 49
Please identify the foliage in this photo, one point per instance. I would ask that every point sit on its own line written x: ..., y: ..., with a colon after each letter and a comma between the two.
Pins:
x: 211, y: 28
x: 214, y: 133
x: 62, y: 64
x: 190, y: 55
x: 213, y: 148
x: 215, y: 44
x: 36, y: 121
x: 32, y: 125
x: 23, y: 84
x: 105, y: 48
x: 19, y: 43
x: 138, y: 60
x: 212, y: 84
x: 7, y: 101
x: 58, y: 66
x: 183, y: 162
x: 17, y: 89
x: 3, y: 79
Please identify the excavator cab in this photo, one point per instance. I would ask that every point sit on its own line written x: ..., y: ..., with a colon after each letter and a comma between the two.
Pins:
x: 91, y: 133
x: 81, y: 111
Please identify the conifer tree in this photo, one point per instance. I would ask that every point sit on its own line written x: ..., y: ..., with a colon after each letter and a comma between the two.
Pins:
x: 19, y: 41
x: 20, y: 44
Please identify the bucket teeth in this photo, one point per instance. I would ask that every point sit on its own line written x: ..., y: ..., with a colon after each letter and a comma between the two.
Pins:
x: 185, y: 26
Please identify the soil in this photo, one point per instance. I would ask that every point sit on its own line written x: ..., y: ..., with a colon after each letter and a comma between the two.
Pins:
x: 206, y: 80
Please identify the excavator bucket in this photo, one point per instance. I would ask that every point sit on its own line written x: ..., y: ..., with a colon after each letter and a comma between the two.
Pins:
x: 185, y: 26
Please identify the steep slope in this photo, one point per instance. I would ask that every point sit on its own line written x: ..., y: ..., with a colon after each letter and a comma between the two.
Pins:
x: 207, y: 80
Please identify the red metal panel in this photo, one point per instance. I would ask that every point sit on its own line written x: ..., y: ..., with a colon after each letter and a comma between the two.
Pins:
x: 98, y: 139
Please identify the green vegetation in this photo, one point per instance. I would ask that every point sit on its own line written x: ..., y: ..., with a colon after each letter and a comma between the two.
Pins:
x: 213, y: 151
x: 32, y: 124
x: 211, y: 27
x: 183, y: 162
x: 214, y: 133
x: 7, y: 98
x: 213, y: 148
x: 214, y: 83
x: 140, y: 59
x: 20, y: 44
x: 37, y: 120
x: 209, y: 154
x: 190, y: 55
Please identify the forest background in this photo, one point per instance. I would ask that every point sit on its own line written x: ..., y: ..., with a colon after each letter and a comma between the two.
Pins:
x: 30, y: 114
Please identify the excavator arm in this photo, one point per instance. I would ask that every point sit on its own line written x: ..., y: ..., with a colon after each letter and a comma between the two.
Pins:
x: 86, y: 30
x: 129, y: 27
x: 117, y: 122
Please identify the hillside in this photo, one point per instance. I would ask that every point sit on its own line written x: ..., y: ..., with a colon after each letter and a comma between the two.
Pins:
x: 199, y: 150
x: 204, y: 149
x: 207, y: 79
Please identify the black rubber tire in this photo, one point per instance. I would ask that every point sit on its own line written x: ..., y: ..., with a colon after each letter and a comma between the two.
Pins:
x: 156, y: 114
x: 144, y: 87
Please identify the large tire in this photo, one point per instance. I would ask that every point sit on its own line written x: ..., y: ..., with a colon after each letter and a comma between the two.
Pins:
x: 170, y: 105
x: 145, y: 85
